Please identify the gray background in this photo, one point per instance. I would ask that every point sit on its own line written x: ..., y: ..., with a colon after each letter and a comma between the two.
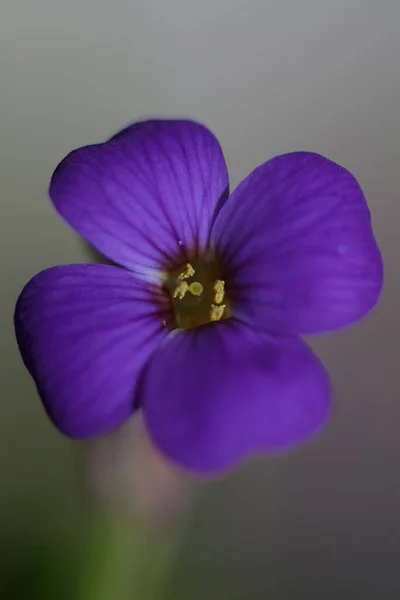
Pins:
x: 267, y: 77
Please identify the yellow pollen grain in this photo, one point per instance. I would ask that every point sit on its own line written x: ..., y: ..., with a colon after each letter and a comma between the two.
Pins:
x: 196, y: 288
x: 217, y: 312
x: 181, y: 290
x: 219, y: 291
x: 186, y: 272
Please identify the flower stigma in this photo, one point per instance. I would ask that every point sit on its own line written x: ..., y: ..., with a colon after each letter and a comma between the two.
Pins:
x: 197, y: 293
x: 196, y: 288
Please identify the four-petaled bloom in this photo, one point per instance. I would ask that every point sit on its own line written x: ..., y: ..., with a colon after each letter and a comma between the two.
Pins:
x: 201, y: 327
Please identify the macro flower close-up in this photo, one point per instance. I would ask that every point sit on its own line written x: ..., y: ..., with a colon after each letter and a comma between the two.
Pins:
x: 200, y: 325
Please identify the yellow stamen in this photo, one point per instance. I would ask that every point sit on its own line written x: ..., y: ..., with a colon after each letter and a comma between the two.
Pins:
x: 198, y: 293
x: 187, y: 272
x: 196, y: 288
x: 217, y: 312
x: 181, y: 290
x: 219, y: 289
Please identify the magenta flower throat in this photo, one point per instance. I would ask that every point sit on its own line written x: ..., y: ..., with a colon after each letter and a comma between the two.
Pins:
x: 200, y: 325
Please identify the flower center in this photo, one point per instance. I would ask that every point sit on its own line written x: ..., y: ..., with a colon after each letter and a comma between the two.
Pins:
x: 197, y: 294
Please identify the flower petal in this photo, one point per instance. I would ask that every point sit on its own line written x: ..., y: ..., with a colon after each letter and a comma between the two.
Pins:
x: 296, y: 238
x: 214, y: 395
x: 85, y: 333
x: 146, y: 196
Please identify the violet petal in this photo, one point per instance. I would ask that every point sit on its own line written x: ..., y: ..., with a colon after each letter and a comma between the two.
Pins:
x: 297, y: 240
x: 85, y: 333
x: 146, y: 196
x: 214, y: 395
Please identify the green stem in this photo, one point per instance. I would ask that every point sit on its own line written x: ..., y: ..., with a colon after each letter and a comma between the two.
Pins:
x: 126, y: 559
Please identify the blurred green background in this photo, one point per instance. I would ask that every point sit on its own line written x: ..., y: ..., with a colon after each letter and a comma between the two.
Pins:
x: 268, y: 77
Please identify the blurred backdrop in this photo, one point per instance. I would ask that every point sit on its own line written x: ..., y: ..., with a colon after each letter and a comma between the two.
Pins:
x: 268, y: 77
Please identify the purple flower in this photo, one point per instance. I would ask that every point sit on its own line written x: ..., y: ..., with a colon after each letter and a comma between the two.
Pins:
x: 201, y: 327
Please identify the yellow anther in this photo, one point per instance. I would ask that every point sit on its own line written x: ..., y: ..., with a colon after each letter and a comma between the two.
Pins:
x: 196, y: 288
x: 181, y: 290
x: 217, y: 312
x: 219, y: 291
x: 186, y: 272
